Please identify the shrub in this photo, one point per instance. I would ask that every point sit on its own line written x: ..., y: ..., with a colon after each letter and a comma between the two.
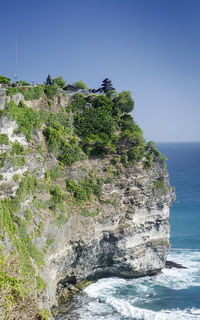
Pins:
x: 50, y: 91
x: 60, y: 220
x: 96, y: 212
x: 70, y: 153
x: 26, y: 118
x: 19, y: 161
x: 103, y: 102
x: 17, y: 298
x: 64, y: 119
x: 61, y: 83
x: 57, y: 121
x: 135, y: 154
x: 149, y: 160
x: 16, y: 177
x: 78, y: 102
x: 97, y: 145
x: 124, y: 159
x: 84, y: 189
x: 17, y: 148
x: 32, y: 93
x: 57, y: 198
x: 80, y: 85
x: 49, y: 242
x: 127, y: 124
x: 4, y: 139
x: 94, y: 121
x: 50, y: 119
x: 41, y: 284
x: 85, y: 212
x: 27, y: 186
x: 57, y: 194
x: 16, y: 229
x: 151, y: 147
x: 28, y: 215
x: 53, y: 173
x: 54, y: 139
x: 123, y: 102
x: 78, y: 192
x: 4, y: 80
x: 160, y: 185
x: 40, y: 228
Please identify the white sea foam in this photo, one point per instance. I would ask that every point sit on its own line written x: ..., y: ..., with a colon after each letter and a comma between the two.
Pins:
x: 128, y: 310
x: 126, y: 296
x: 182, y: 278
x: 116, y: 309
x: 104, y: 286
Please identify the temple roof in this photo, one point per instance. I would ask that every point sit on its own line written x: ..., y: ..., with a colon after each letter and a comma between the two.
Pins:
x: 70, y: 87
x: 106, y: 80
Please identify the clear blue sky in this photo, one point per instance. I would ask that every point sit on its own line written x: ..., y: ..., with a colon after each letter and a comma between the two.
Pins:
x: 150, y: 47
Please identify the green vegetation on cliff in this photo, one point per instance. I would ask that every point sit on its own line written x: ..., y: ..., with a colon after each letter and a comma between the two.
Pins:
x: 4, y: 80
x: 26, y: 118
x: 32, y: 93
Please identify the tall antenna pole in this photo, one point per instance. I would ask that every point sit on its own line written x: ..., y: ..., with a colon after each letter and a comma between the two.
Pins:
x: 15, y: 76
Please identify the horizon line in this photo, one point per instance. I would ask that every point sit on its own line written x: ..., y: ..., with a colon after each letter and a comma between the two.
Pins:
x: 190, y: 141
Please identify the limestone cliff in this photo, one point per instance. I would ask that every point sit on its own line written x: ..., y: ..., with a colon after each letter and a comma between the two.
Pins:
x: 119, y: 228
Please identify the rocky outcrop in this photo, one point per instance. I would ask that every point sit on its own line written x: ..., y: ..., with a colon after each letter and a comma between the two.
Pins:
x: 171, y: 264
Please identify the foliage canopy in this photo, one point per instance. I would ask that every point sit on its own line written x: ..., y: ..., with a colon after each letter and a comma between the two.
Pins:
x: 60, y: 82
x: 80, y: 85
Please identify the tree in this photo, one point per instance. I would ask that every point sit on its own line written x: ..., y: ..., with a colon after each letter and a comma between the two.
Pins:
x: 4, y: 80
x: 102, y: 102
x: 124, y: 102
x: 94, y: 121
x: 60, y: 82
x: 80, y: 85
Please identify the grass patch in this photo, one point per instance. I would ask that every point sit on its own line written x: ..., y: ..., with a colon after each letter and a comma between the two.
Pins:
x: 18, y: 299
x: 4, y: 139
x: 57, y: 198
x: 160, y: 185
x: 16, y: 177
x: 18, y: 162
x: 86, y: 212
x: 17, y: 149
x: 41, y: 284
x: 60, y: 220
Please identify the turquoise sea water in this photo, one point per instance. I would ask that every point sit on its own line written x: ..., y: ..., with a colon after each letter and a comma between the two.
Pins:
x: 184, y: 169
x: 175, y: 293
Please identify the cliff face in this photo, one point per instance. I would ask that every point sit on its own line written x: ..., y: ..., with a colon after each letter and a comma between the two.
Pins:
x: 129, y: 238
x: 125, y: 232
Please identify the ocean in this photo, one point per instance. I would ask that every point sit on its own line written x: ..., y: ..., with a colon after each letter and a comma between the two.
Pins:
x: 175, y: 293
